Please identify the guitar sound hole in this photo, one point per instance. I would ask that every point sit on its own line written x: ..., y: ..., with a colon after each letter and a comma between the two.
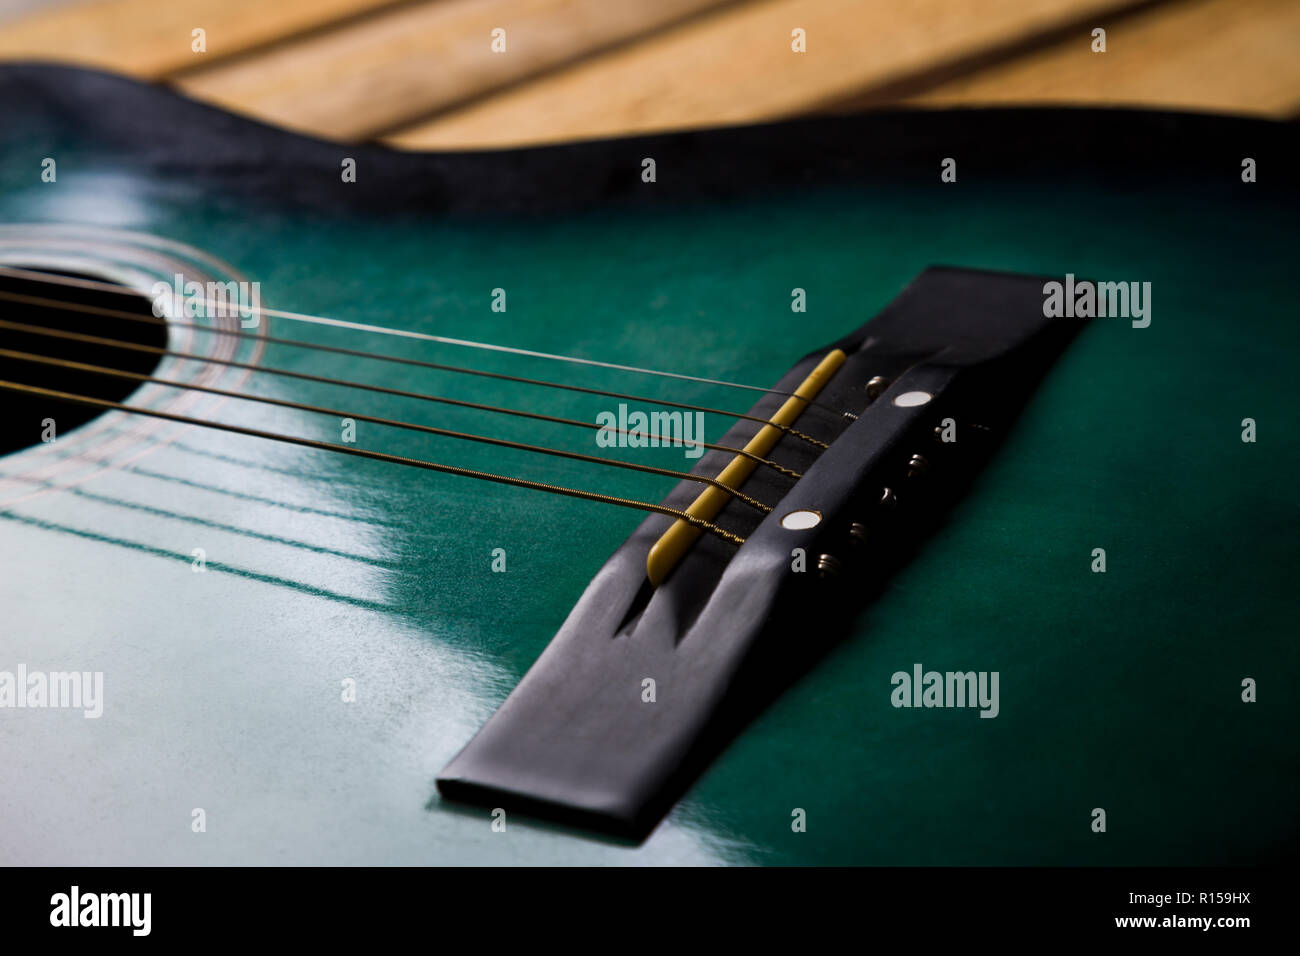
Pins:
x: 29, y: 419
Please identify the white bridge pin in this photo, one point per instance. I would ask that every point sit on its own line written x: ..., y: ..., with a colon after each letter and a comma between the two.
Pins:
x: 801, y: 520
x: 912, y: 399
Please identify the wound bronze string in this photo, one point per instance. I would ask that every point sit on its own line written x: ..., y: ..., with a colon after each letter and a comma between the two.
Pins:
x: 90, y: 401
x: 54, y: 279
x: 364, y: 386
x: 86, y: 400
x: 401, y: 360
x: 390, y: 422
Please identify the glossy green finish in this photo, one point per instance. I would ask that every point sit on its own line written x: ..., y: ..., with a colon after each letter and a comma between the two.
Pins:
x: 1118, y: 690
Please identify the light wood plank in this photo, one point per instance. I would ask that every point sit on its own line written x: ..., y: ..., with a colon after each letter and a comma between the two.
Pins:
x: 151, y: 38
x: 10, y: 9
x: 737, y: 66
x: 1230, y: 55
x: 408, y: 63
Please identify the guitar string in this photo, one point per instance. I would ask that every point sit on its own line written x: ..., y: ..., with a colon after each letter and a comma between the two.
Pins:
x: 373, y: 419
x: 358, y: 353
x: 404, y: 333
x: 92, y: 402
x: 87, y: 400
x: 382, y: 389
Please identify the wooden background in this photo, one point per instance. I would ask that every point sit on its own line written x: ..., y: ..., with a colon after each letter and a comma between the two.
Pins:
x: 422, y: 74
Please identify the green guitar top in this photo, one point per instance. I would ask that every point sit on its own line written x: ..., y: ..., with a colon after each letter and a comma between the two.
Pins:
x: 282, y: 646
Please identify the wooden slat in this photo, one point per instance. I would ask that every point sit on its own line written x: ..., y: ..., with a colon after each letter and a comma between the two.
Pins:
x: 737, y: 66
x: 408, y: 63
x: 1232, y: 55
x: 151, y: 38
x: 356, y: 68
x: 9, y: 9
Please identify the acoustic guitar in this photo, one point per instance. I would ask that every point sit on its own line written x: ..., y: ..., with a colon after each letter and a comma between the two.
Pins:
x: 900, y: 488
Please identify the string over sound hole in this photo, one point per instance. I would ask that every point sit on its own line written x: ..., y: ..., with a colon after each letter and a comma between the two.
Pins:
x: 31, y: 419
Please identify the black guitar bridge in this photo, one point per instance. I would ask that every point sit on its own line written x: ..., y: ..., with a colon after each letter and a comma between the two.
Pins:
x: 643, y: 685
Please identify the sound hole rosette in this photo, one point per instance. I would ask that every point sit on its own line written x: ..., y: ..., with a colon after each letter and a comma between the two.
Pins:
x: 136, y: 262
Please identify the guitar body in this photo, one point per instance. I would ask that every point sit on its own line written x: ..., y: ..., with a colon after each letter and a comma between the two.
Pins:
x: 234, y: 590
